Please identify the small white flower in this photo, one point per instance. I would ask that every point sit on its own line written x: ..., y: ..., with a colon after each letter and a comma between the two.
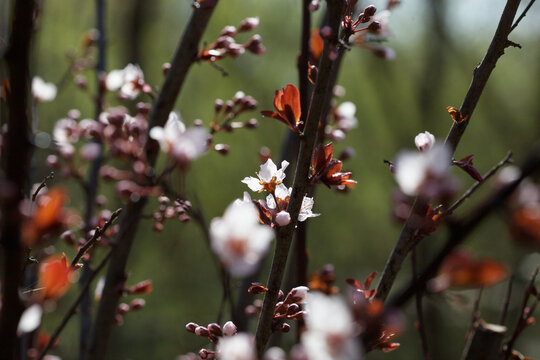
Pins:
x: 30, y: 319
x: 237, y: 347
x: 42, y: 91
x: 269, y: 177
x: 174, y: 140
x: 424, y: 141
x: 283, y: 218
x: 305, y: 209
x: 65, y: 133
x: 330, y: 329
x: 299, y: 292
x: 346, y: 116
x: 412, y: 169
x: 239, y: 240
x: 128, y: 80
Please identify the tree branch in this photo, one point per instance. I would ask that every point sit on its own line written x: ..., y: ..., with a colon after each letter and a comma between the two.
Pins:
x: 185, y: 56
x: 480, y: 77
x: 285, y: 234
x: 15, y: 164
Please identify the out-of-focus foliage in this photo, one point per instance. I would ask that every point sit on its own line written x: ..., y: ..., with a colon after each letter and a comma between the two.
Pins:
x: 395, y: 101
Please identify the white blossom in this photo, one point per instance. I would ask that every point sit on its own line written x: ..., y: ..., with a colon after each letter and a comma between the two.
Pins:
x: 283, y: 193
x: 30, y: 319
x: 174, y: 140
x: 128, y: 80
x: 65, y: 133
x: 330, y: 329
x: 424, y: 141
x: 229, y: 328
x: 268, y: 177
x: 239, y: 240
x: 237, y: 347
x: 43, y: 91
x: 412, y: 169
x: 346, y: 116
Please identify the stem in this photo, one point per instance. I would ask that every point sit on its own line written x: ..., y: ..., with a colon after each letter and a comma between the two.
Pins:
x: 185, y: 56
x: 15, y: 164
x: 285, y: 234
x: 85, y: 316
x: 480, y: 78
x: 419, y: 311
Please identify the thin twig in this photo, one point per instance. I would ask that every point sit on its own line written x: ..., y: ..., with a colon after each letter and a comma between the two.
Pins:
x: 524, y: 315
x: 507, y: 297
x: 73, y: 309
x: 419, y: 311
x: 480, y: 78
x: 475, y: 316
x: 42, y: 185
x: 475, y: 187
x: 522, y: 15
x: 97, y: 234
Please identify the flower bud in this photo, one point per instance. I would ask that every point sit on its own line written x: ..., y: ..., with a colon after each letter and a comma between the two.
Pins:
x: 137, y: 304
x: 229, y: 329
x: 314, y: 6
x: 283, y: 218
x: 228, y: 30
x: 297, y: 294
x: 165, y: 68
x: 326, y: 32
x: 223, y: 149
x: 424, y: 141
x: 122, y: 309
x: 370, y: 10
x: 202, y: 331
x: 248, y: 24
x: 215, y: 329
x: 191, y: 326
x: 218, y: 105
x: 143, y: 287
x: 52, y: 161
x: 374, y: 27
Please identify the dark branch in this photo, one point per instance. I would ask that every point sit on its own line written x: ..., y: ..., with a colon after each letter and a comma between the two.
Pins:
x: 42, y: 185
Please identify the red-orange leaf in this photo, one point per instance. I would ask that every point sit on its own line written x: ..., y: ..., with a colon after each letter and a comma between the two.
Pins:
x: 55, y: 275
x: 466, y: 164
x: 49, y: 216
x: 287, y: 104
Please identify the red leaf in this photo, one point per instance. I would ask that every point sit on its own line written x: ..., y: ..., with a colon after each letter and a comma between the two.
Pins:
x: 466, y: 164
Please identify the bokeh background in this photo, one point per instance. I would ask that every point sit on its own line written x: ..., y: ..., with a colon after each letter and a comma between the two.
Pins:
x: 437, y: 43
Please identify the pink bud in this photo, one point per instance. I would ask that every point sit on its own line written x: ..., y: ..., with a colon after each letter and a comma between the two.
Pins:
x: 215, y: 329
x: 314, y: 6
x: 248, y: 24
x: 122, y: 308
x: 229, y: 329
x: 283, y: 218
x: 191, y: 326
x: 137, y: 304
x: 202, y: 331
x: 424, y: 141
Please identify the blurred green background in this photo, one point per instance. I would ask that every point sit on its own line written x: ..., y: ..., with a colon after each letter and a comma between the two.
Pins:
x: 437, y: 43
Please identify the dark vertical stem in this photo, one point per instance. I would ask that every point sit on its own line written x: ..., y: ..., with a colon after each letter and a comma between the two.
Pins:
x: 300, y: 186
x: 419, y: 311
x: 85, y: 307
x: 15, y: 165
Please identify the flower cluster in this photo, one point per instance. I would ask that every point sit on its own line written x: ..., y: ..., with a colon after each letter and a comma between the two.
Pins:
x: 273, y: 210
x: 225, y: 336
x: 287, y: 307
x: 178, y: 209
x: 129, y: 80
x: 225, y: 45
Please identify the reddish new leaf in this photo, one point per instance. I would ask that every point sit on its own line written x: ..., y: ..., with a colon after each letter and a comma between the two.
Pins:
x: 466, y: 164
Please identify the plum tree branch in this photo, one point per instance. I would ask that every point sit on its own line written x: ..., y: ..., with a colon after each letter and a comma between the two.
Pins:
x: 184, y: 57
x: 481, y: 75
x: 285, y: 234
